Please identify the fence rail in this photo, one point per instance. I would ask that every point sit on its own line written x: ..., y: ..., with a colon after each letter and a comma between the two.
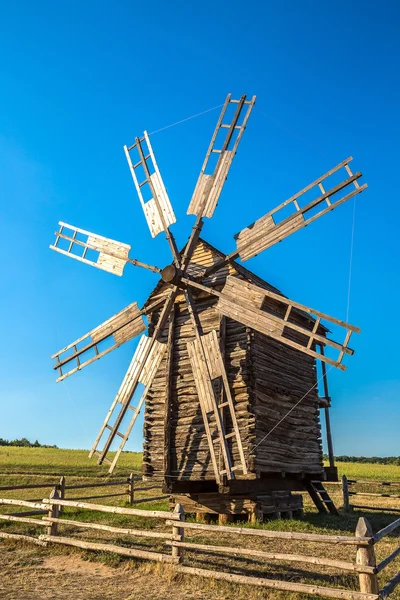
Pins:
x: 129, y: 488
x: 349, y: 493
x: 363, y: 541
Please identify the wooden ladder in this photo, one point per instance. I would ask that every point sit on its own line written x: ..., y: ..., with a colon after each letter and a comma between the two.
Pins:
x: 320, y: 497
x: 222, y: 438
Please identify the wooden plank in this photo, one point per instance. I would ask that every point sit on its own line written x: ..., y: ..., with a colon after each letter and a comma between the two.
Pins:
x: 386, y: 561
x: 265, y: 232
x: 282, y: 535
x: 145, y: 533
x: 389, y: 587
x: 373, y: 494
x: 386, y: 483
x: 386, y: 530
x: 122, y: 327
x: 312, y: 560
x: 168, y: 395
x: 153, y: 514
x: 242, y: 301
x: 144, y: 354
x: 382, y: 508
x: 19, y: 519
x: 13, y: 502
x: 158, y: 210
x: 316, y: 590
x: 131, y: 552
x: 366, y: 556
x: 22, y: 538
x: 112, y: 255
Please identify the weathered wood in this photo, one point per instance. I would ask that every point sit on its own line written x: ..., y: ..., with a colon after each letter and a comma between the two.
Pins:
x: 390, y: 586
x: 345, y: 490
x: 21, y: 519
x: 122, y: 327
x: 178, y: 531
x: 386, y: 530
x: 155, y: 514
x: 381, y: 508
x: 366, y: 556
x: 145, y: 533
x: 282, y: 535
x: 387, y: 483
x: 53, y: 513
x: 312, y: 560
x: 131, y: 552
x: 131, y: 489
x: 316, y: 590
x: 168, y: 394
x: 386, y: 561
x: 14, y: 502
x: 374, y: 494
x: 265, y: 377
x: 24, y: 538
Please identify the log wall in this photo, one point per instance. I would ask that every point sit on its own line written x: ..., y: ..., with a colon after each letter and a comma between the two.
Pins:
x: 266, y: 379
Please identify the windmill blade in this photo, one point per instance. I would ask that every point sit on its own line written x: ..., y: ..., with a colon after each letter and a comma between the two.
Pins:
x: 143, y: 365
x: 207, y: 364
x: 109, y: 255
x: 142, y: 369
x: 268, y: 230
x: 120, y: 328
x: 158, y: 209
x: 209, y: 185
x: 281, y: 319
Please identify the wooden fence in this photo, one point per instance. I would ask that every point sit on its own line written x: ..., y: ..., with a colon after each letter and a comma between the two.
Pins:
x: 130, y: 488
x: 348, y: 491
x: 363, y: 541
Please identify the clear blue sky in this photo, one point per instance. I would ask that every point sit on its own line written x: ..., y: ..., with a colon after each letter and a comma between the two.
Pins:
x: 79, y: 80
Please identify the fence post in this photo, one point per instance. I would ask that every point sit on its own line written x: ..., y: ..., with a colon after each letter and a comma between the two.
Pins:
x: 345, y: 490
x: 366, y: 556
x: 61, y: 489
x: 54, y: 512
x: 176, y: 550
x: 131, y: 490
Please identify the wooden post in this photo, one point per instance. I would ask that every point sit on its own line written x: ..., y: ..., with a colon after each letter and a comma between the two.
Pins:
x: 131, y: 490
x: 176, y: 530
x: 345, y: 490
x: 366, y: 556
x: 168, y: 400
x: 61, y: 489
x: 54, y: 512
x: 327, y: 417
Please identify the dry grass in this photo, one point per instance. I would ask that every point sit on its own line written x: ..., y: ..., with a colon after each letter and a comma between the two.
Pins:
x: 61, y: 572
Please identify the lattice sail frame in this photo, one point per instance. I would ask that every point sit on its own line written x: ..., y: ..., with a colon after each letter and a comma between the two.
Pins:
x: 238, y: 300
x: 112, y: 256
x: 158, y: 209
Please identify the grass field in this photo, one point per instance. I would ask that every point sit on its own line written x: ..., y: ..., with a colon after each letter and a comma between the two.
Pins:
x: 61, y: 572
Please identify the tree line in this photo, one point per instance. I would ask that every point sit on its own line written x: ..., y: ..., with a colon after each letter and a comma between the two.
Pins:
x: 379, y: 460
x: 24, y: 443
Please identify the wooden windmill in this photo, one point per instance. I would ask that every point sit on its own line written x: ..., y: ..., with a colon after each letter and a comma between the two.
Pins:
x: 236, y: 298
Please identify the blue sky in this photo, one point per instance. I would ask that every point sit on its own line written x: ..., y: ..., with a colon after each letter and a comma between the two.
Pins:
x: 80, y: 80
